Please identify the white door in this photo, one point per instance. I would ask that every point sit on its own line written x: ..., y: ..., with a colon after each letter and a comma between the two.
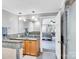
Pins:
x: 58, y: 35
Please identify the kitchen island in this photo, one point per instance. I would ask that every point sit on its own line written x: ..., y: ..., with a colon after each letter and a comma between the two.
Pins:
x: 30, y: 45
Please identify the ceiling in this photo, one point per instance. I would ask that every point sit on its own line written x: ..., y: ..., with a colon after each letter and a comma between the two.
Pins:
x: 27, y: 6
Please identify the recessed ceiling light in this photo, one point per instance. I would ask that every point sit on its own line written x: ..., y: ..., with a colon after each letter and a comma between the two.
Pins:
x: 33, y: 17
x: 20, y: 13
x: 33, y: 11
x: 20, y: 18
x: 24, y: 20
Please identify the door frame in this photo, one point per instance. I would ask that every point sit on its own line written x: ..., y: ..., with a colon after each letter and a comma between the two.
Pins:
x: 68, y: 3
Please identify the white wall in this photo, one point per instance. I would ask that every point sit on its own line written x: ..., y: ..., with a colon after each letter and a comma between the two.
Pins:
x: 10, y: 21
x: 21, y: 27
x: 30, y: 28
x: 37, y: 26
x: 71, y: 32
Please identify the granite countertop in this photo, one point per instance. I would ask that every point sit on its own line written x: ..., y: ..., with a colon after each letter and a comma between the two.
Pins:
x: 12, y: 41
x: 15, y: 44
x: 24, y: 38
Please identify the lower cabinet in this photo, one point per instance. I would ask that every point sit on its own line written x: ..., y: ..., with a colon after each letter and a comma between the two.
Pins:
x: 31, y: 47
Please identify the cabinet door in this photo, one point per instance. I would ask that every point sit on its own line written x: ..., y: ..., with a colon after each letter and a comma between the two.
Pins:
x: 33, y: 49
x: 27, y: 48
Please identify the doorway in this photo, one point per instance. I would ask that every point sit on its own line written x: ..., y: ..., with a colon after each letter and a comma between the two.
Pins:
x: 51, y: 35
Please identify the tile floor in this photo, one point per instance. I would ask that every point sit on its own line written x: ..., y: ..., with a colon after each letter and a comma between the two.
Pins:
x: 45, y: 55
x: 48, y: 51
x: 48, y: 44
x: 10, y: 54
